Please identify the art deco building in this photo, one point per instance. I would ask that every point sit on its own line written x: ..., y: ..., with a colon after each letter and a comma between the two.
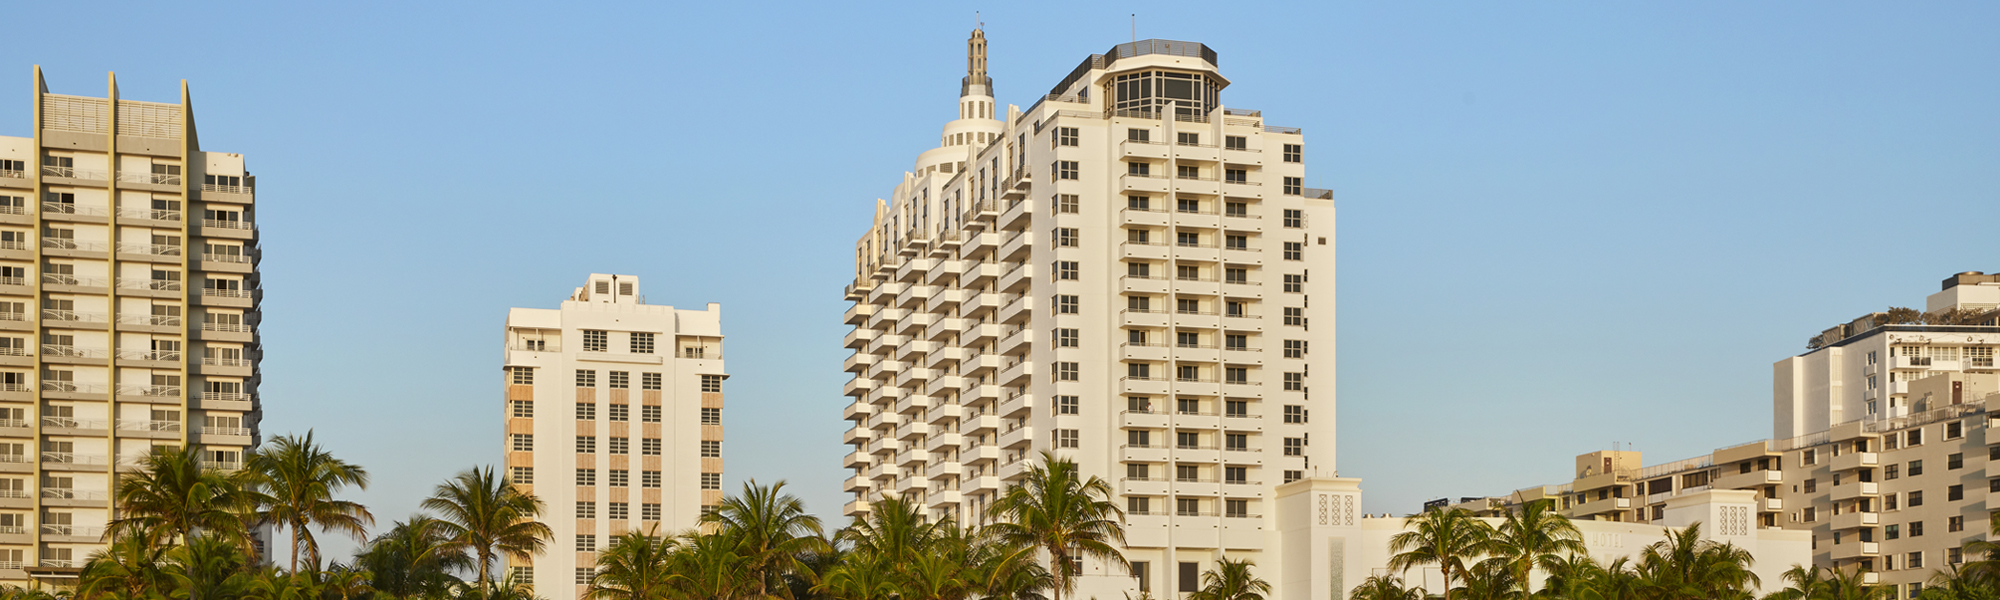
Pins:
x: 614, y: 418
x: 128, y: 314
x: 1127, y: 273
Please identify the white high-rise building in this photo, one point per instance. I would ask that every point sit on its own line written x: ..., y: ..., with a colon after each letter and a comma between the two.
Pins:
x: 129, y: 306
x: 614, y: 418
x: 1127, y: 273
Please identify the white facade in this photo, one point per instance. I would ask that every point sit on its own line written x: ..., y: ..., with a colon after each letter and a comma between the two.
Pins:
x: 129, y: 306
x: 613, y: 410
x: 1138, y: 280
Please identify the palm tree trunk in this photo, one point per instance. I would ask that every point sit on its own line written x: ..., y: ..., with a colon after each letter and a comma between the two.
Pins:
x: 295, y: 546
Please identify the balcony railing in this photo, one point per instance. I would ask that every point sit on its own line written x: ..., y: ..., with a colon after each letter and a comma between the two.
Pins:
x: 167, y: 355
x: 61, y: 243
x: 161, y: 391
x: 12, y: 173
x: 244, y: 328
x: 70, y: 351
x: 150, y: 214
x: 58, y: 314
x: 72, y: 494
x: 13, y: 423
x: 14, y: 245
x: 70, y: 208
x: 73, y: 173
x: 13, y: 458
x: 215, y: 224
x: 150, y: 425
x: 72, y: 531
x: 226, y: 293
x: 65, y: 279
x: 226, y: 396
x: 158, y: 285
x: 72, y: 458
x: 150, y: 178
x: 236, y: 431
x: 223, y: 361
x: 16, y: 387
x: 71, y: 387
x: 225, y: 258
x: 150, y: 249
x: 13, y: 281
x: 153, y: 320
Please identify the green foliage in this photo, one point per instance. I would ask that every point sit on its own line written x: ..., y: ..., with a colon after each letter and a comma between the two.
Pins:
x: 1065, y: 514
x: 294, y: 483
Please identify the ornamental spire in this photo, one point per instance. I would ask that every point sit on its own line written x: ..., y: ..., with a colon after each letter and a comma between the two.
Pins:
x: 975, y: 64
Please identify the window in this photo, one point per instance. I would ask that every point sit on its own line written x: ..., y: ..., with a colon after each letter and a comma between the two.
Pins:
x: 1914, y: 438
x: 586, y: 444
x: 586, y: 510
x: 618, y: 511
x: 1067, y: 405
x: 649, y: 512
x: 1954, y: 430
x: 585, y: 542
x: 1236, y: 441
x: 526, y: 409
x: 1237, y: 342
x: 521, y: 475
x: 1139, y: 135
x: 1139, y: 169
x: 711, y: 384
x: 1293, y: 475
x: 1066, y: 438
x: 1892, y: 532
x: 619, y: 445
x: 1236, y: 508
x: 620, y: 412
x: 586, y: 476
x: 1295, y: 316
x: 1236, y: 242
x: 521, y: 375
x: 1187, y: 507
x: 1295, y: 414
x: 1236, y: 276
x: 1236, y: 209
x: 1188, y: 205
x: 1066, y: 270
x: 586, y: 411
x: 1066, y: 237
x: 1295, y: 349
x: 1916, y: 529
x: 1295, y: 284
x: 1916, y: 468
x: 1139, y: 371
x: 649, y: 447
x: 525, y: 442
x: 642, y: 343
x: 1889, y: 472
x: 1065, y: 169
x: 1066, y: 204
x: 1889, y: 501
x: 711, y: 449
x: 1067, y: 305
x: 1914, y: 560
x: 1189, y: 440
x: 709, y: 416
x: 649, y: 381
x: 1065, y: 136
x: 1235, y: 142
x: 1236, y: 175
x: 1295, y: 186
x: 1812, y: 485
x: 1954, y: 461
x: 585, y: 574
x: 711, y: 481
x: 1954, y: 493
x: 618, y: 380
x: 1139, y: 438
x: 1187, y: 138
x: 1295, y: 153
x: 1916, y: 498
x: 649, y: 479
x: 1237, y: 375
x: 1187, y: 172
x: 586, y: 378
x: 1295, y: 251
x: 1295, y: 446
x: 596, y: 341
x: 1954, y: 524
x: 1066, y: 371
x: 1066, y: 338
x: 1138, y: 505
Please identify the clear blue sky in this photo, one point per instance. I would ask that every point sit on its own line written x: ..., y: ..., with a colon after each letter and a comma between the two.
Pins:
x: 1563, y: 224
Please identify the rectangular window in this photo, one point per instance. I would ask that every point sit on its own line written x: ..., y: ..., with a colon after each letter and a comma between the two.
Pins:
x: 1295, y: 382
x: 1916, y: 498
x: 1914, y: 438
x: 596, y: 341
x: 618, y: 477
x: 1293, y: 475
x: 709, y: 416
x: 1295, y: 316
x: 618, y: 380
x: 649, y: 512
x: 1295, y: 349
x: 1066, y: 169
x: 1235, y: 142
x: 586, y: 476
x: 711, y: 481
x: 1067, y: 405
x: 1955, y: 493
x: 1139, y: 135
x: 1954, y: 461
x: 1295, y: 186
x: 526, y: 409
x: 1067, y: 338
x: 650, y: 479
x: 1066, y: 136
x: 1916, y: 468
x: 1954, y: 525
x: 586, y: 444
x: 1066, y: 270
x: 620, y: 412
x: 642, y: 343
x: 1066, y: 237
x: 711, y: 384
x: 585, y: 574
x: 1190, y: 577
x: 619, y: 445
x: 617, y: 511
x: 1295, y: 153
x: 1187, y: 138
x: 1295, y: 284
x: 525, y: 442
x: 1295, y: 446
x: 1067, y: 305
x: 649, y: 447
x: 1187, y: 507
x: 1954, y: 430
x: 711, y: 449
x: 521, y: 375
x: 1236, y: 175
x: 649, y: 381
x: 585, y: 542
x: 1295, y: 414
x: 526, y: 475
x: 586, y: 411
x: 1066, y: 438
x: 1236, y: 375
x: 1066, y: 204
x: 1236, y: 508
x: 1237, y: 442
x: 1295, y: 251
x: 1187, y: 440
x: 1916, y: 528
x: 1892, y: 532
x: 1066, y: 371
x: 1890, y: 472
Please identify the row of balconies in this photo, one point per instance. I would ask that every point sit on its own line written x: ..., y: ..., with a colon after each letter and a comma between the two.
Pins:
x: 1186, y: 254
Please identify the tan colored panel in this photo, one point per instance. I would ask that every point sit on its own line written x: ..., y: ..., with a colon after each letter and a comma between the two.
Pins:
x: 520, y: 425
x: 711, y: 497
x: 586, y: 525
x: 526, y: 488
x: 619, y: 396
x: 586, y: 461
x: 586, y: 493
x: 652, y: 463
x: 586, y: 394
x: 621, y: 429
x: 619, y: 494
x: 651, y: 496
x: 520, y: 459
x: 652, y: 430
x: 586, y: 428
x: 620, y: 461
x: 711, y: 399
x: 711, y: 465
x: 520, y: 392
x: 650, y: 397
x: 711, y: 433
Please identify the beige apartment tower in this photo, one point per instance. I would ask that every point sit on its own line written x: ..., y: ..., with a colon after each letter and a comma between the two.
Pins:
x: 128, y: 315
x: 614, y: 417
x: 1127, y: 273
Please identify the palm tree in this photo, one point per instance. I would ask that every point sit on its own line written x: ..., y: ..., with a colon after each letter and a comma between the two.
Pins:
x: 347, y: 582
x: 1492, y: 580
x: 174, y: 494
x: 484, y: 513
x: 1803, y: 583
x: 1853, y: 585
x: 771, y: 530
x: 1535, y: 536
x: 1685, y: 566
x: 1231, y: 580
x: 415, y: 558
x: 1385, y: 587
x: 708, y: 566
x: 296, y: 481
x: 208, y: 566
x: 127, y: 569
x: 1062, y: 512
x: 1959, y: 584
x: 634, y: 567
x: 1447, y: 537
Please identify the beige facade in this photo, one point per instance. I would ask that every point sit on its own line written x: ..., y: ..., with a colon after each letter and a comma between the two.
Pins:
x: 1126, y: 273
x: 1892, y: 468
x: 613, y: 414
x: 128, y: 314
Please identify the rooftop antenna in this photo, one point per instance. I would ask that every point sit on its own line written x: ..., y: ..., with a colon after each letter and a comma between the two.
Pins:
x: 1135, y: 28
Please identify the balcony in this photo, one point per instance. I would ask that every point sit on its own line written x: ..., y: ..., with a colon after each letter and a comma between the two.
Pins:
x: 1597, y: 507
x: 72, y: 423
x: 72, y: 280
x: 153, y: 391
x: 67, y: 351
x: 1142, y: 183
x: 1854, y: 489
x: 1853, y: 460
x: 1855, y: 549
x: 150, y: 214
x: 72, y: 458
x: 1854, y: 520
x: 1753, y: 479
x: 157, y: 426
x: 1143, y: 149
x: 861, y: 337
